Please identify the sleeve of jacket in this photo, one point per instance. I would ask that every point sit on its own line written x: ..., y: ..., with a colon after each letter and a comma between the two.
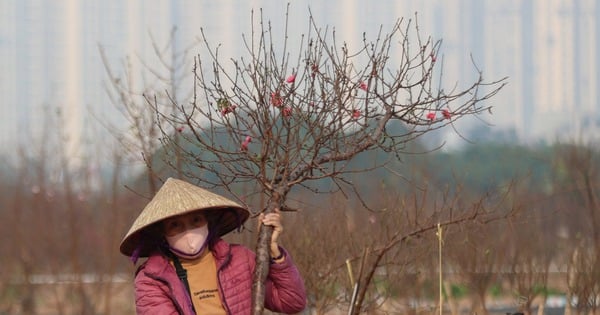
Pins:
x: 284, y: 289
x: 151, y: 297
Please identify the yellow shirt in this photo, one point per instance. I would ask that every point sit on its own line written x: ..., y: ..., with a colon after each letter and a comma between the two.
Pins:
x: 204, y: 288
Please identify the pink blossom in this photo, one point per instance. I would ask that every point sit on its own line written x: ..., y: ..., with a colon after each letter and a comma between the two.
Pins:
x: 180, y: 129
x: 362, y: 85
x: 356, y: 114
x: 287, y: 112
x: 245, y: 143
x: 431, y: 116
x: 276, y: 99
x: 227, y: 110
x: 446, y: 114
x: 433, y: 58
x: 291, y: 78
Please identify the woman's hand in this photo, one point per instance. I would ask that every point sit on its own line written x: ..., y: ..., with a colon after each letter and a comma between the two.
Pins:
x: 274, y: 219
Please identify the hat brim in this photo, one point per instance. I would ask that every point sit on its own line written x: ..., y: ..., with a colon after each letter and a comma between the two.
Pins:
x: 177, y: 197
x: 146, y: 238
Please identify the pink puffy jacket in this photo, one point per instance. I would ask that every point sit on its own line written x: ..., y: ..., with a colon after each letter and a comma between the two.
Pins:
x: 158, y: 290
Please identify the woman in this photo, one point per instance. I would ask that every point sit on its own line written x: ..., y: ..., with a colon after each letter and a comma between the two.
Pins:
x: 191, y: 270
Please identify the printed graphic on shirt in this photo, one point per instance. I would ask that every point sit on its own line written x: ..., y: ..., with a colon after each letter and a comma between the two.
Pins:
x: 202, y: 278
x: 207, y: 301
x: 206, y: 294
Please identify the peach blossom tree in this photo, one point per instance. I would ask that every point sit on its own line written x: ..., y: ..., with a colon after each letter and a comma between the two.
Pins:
x: 281, y: 119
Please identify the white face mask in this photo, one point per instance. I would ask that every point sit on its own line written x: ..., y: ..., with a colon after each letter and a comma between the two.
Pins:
x: 189, y: 244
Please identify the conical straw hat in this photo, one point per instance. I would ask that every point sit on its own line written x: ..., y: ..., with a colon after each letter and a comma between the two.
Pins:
x: 177, y: 197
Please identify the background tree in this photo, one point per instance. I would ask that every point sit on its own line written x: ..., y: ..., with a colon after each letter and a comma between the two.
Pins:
x: 129, y: 94
x: 576, y: 189
x: 283, y: 120
x: 530, y: 251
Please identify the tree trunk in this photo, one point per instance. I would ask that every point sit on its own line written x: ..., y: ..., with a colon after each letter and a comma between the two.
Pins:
x: 263, y: 258
x: 262, y: 269
x: 541, y: 307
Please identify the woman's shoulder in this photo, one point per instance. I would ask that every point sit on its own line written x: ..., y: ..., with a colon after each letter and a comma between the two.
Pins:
x: 223, y: 249
x: 155, y: 263
x: 238, y: 249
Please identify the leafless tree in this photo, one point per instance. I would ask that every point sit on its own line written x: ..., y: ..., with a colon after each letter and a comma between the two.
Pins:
x: 57, y: 214
x: 529, y: 256
x: 163, y: 78
x: 577, y: 181
x: 282, y: 120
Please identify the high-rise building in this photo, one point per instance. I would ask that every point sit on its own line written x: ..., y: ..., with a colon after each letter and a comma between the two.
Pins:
x: 50, y: 53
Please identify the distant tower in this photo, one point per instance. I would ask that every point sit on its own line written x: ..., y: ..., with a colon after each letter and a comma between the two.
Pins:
x: 72, y: 103
x: 585, y: 18
x: 527, y: 103
x: 8, y: 80
x: 596, y: 86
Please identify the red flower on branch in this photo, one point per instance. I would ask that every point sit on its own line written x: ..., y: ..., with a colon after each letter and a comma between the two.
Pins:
x: 431, y: 116
x: 362, y: 85
x: 276, y: 99
x: 180, y: 129
x: 446, y: 114
x: 356, y: 114
x: 291, y: 78
x: 286, y: 112
x: 227, y: 110
x: 245, y: 143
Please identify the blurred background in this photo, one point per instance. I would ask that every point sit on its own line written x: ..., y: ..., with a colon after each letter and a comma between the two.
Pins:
x: 63, y: 164
x: 50, y: 53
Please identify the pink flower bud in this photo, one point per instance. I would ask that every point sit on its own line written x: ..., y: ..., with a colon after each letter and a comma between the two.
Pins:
x: 356, y: 114
x: 363, y: 86
x: 286, y: 112
x: 276, y: 99
x: 431, y: 116
x: 245, y: 143
x: 291, y: 78
x: 227, y: 110
x: 446, y: 114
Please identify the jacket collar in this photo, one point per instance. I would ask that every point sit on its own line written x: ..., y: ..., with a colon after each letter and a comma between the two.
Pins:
x: 221, y: 250
x: 158, y: 264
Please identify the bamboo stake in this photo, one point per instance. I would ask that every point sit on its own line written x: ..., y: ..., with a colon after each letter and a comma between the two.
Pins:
x: 439, y: 235
x: 350, y: 273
